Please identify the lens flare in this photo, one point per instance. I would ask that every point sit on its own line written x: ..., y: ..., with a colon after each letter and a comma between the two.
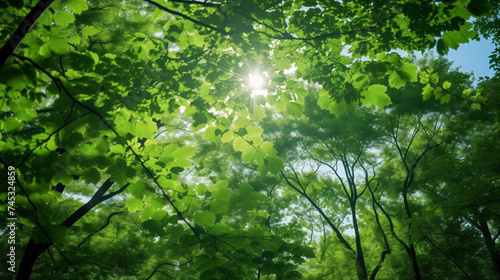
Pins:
x: 255, y: 81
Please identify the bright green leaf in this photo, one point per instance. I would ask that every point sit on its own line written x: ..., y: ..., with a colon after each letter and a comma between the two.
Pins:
x: 396, y: 81
x: 89, y: 31
x: 134, y: 204
x: 295, y: 109
x: 63, y: 18
x: 376, y: 95
x: 91, y: 175
x: 59, y: 45
x: 427, y: 92
x: 77, y: 6
x: 445, y: 99
x: 204, y: 218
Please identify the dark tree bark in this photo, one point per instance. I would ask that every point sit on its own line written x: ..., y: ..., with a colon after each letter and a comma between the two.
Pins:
x: 360, y: 259
x: 490, y: 245
x: 23, y: 29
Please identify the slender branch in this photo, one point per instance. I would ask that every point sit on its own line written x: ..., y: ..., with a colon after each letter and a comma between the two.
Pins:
x: 384, y: 236
x: 169, y: 264
x: 48, y: 138
x: 448, y: 257
x: 205, y: 4
x: 186, y: 17
x: 349, y: 197
x: 334, y: 228
x: 101, y: 8
x: 413, y: 136
x: 101, y: 228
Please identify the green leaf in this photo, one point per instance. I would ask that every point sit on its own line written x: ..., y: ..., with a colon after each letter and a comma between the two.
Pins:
x: 396, y: 81
x: 409, y: 72
x: 39, y: 236
x: 170, y: 149
x: 437, y: 92
x: 338, y: 107
x: 376, y: 95
x: 254, y: 130
x: 89, y: 30
x: 446, y: 85
x: 442, y: 49
x: 184, y: 152
x: 188, y: 240
x: 284, y: 64
x: 219, y: 206
x: 133, y: 204
x: 249, y: 154
x: 219, y: 190
x: 241, y: 122
x: 145, y: 128
x: 453, y: 39
x: 446, y: 98
x: 209, y: 134
x: 137, y: 189
x: 427, y: 92
x: 258, y: 113
x: 45, y: 19
x: 59, y: 45
x: 77, y: 6
x: 227, y: 136
x: 201, y: 189
x: 240, y: 144
x: 44, y: 51
x: 295, y: 109
x: 101, y: 145
x: 63, y: 18
x: 11, y: 124
x: 157, y: 14
x: 91, y: 175
x: 275, y: 164
x: 23, y: 109
x: 58, y: 232
x: 304, y: 252
x: 479, y: 7
x: 204, y: 218
x: 361, y: 81
x: 324, y: 99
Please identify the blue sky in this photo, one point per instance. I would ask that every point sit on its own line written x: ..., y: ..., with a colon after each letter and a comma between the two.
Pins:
x: 473, y: 56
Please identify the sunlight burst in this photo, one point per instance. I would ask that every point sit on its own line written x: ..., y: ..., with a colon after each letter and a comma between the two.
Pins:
x: 255, y: 81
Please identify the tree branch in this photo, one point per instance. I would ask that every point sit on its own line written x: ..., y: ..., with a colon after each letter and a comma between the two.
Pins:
x: 186, y: 17
x: 24, y: 27
x: 169, y: 264
x: 448, y: 257
x: 101, y: 228
x: 320, y: 211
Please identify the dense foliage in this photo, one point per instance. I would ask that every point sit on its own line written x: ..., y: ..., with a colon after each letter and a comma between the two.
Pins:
x: 246, y: 140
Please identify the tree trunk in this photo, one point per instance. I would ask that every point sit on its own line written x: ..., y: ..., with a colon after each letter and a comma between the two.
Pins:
x: 360, y: 259
x: 31, y: 254
x: 490, y: 245
x: 413, y: 254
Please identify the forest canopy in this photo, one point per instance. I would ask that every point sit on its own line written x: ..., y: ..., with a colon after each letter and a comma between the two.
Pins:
x: 247, y: 139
